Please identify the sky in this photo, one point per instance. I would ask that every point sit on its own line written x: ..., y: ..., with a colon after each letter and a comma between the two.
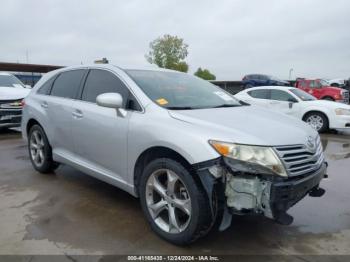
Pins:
x: 231, y: 38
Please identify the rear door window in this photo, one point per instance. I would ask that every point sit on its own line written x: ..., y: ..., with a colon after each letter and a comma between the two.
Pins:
x: 260, y: 93
x: 67, y: 84
x: 303, y: 84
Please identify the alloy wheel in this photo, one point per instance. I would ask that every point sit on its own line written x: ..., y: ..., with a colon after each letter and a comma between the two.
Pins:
x: 36, y: 145
x: 168, y: 201
x: 315, y: 121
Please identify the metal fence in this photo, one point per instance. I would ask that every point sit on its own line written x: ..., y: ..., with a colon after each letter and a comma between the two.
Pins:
x: 232, y: 87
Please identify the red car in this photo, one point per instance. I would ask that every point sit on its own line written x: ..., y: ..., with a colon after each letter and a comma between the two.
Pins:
x: 322, y: 90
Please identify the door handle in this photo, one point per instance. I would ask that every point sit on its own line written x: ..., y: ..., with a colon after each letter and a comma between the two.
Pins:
x: 274, y: 103
x: 77, y: 114
x: 44, y: 105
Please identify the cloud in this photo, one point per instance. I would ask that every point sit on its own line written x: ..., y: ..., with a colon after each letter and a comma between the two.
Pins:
x: 231, y: 38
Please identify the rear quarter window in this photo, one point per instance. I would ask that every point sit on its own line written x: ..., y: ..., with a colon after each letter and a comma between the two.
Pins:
x: 46, y: 87
x: 67, y: 84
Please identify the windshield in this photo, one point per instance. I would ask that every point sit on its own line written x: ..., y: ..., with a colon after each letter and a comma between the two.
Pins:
x: 302, y: 95
x: 174, y: 90
x: 10, y: 81
x: 324, y: 83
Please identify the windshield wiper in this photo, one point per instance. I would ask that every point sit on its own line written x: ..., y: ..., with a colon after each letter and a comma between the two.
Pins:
x: 180, y: 108
x: 225, y: 105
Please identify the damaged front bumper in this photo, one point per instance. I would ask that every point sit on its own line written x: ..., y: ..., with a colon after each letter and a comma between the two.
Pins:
x: 255, y: 194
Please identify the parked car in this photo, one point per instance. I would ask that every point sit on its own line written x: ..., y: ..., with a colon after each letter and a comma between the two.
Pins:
x: 12, y: 91
x: 319, y: 114
x: 191, y: 152
x: 321, y: 89
x: 336, y: 82
x: 252, y: 80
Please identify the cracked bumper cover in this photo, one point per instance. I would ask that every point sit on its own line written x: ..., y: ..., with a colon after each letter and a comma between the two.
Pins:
x: 257, y: 194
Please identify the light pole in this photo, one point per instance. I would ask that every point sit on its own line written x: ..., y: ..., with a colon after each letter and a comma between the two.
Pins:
x: 290, y: 73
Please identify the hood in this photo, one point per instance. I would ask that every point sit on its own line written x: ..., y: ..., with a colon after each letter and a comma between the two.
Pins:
x: 247, y: 125
x: 327, y: 104
x: 333, y: 88
x: 13, y: 93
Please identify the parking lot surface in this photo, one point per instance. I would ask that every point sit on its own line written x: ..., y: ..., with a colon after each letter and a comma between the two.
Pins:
x: 71, y: 213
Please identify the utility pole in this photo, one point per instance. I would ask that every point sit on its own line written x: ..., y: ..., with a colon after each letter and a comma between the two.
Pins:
x: 290, y: 73
x: 27, y: 56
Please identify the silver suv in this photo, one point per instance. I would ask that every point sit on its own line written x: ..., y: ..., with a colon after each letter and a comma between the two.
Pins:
x: 191, y: 152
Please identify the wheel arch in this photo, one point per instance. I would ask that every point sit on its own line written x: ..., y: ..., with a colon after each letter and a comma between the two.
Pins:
x: 315, y: 111
x: 31, y: 122
x: 327, y: 96
x: 153, y: 153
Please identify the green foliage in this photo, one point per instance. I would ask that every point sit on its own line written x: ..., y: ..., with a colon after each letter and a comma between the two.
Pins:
x: 205, y: 74
x: 168, y: 52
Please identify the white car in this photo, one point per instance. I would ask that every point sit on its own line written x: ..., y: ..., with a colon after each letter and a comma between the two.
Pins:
x: 337, y: 82
x: 319, y: 114
x: 12, y: 91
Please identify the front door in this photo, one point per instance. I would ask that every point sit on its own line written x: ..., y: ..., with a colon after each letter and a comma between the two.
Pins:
x: 100, y: 133
x: 282, y: 101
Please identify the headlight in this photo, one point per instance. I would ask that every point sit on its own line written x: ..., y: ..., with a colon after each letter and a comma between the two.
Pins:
x: 258, y: 158
x: 11, y: 104
x: 342, y: 111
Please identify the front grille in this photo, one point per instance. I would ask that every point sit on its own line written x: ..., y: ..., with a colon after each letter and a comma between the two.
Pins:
x: 299, y: 159
x: 346, y: 96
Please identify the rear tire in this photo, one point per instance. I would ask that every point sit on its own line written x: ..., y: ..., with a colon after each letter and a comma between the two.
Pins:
x: 317, y: 121
x: 156, y: 191
x: 40, y: 152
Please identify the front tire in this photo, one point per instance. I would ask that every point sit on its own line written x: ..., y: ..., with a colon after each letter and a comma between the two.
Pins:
x: 328, y: 98
x: 317, y: 121
x: 175, y: 206
x: 40, y: 152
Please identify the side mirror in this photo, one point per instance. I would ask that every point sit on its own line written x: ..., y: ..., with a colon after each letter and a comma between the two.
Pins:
x: 292, y: 100
x: 111, y: 100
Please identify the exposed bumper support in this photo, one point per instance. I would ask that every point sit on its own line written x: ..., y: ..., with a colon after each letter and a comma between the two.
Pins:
x: 254, y: 194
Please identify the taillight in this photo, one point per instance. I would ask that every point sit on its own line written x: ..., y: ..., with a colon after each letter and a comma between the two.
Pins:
x: 23, y: 102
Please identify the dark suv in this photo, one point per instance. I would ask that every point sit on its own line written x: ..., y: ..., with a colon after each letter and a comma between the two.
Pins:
x: 252, y: 80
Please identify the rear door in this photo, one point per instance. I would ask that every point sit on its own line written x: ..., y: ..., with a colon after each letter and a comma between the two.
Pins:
x: 258, y: 97
x: 304, y: 85
x: 100, y: 133
x: 57, y: 103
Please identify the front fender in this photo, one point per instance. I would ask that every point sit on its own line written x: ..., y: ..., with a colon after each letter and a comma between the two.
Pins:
x: 169, y: 133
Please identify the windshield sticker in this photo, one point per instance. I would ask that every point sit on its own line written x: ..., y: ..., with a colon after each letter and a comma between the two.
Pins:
x: 223, y: 95
x: 162, y: 101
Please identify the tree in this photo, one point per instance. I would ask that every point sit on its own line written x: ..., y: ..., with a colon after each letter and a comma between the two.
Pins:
x: 168, y: 52
x: 205, y: 74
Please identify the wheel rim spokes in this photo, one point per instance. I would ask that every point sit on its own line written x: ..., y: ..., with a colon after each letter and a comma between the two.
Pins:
x: 315, y: 122
x: 36, y: 145
x: 168, y: 201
